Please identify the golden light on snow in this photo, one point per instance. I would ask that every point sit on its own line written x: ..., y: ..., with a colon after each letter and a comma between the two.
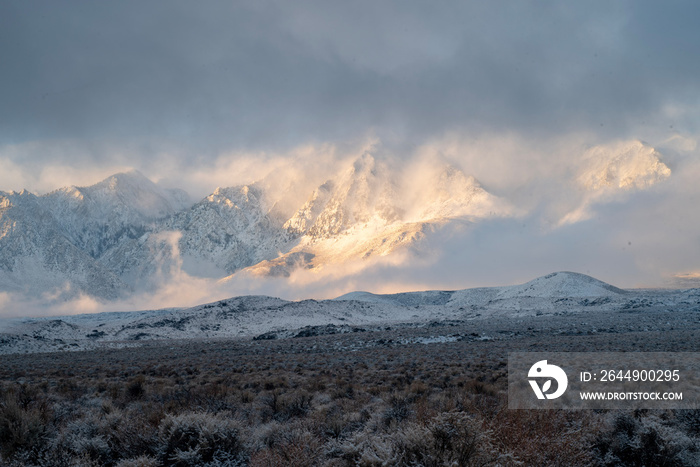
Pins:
x: 626, y: 165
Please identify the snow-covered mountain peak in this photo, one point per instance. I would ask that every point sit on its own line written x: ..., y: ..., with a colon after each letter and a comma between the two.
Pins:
x: 447, y: 193
x: 128, y: 195
x: 98, y: 217
x: 561, y: 284
x: 613, y: 171
x: 130, y: 179
x: 365, y: 192
x: 13, y: 193
x: 230, y: 229
x: 13, y: 198
x: 626, y: 165
x: 118, y: 184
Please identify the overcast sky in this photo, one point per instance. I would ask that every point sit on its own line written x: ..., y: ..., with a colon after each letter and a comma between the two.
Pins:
x: 199, y: 78
x: 169, y: 87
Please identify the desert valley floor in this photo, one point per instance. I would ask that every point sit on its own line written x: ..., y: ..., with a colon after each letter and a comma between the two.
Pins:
x: 417, y: 393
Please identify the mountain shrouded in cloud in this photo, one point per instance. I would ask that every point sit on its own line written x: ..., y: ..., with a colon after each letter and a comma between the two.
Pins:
x: 129, y: 234
x: 369, y: 210
x: 626, y: 166
x: 126, y: 236
x: 609, y: 172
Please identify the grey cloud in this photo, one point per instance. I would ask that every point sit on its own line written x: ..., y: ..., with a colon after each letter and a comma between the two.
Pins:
x: 204, y: 77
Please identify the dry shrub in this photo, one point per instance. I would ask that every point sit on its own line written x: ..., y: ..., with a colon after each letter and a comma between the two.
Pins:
x: 23, y: 423
x: 419, y: 388
x: 645, y: 439
x: 449, y: 439
x: 399, y: 410
x: 545, y: 437
x: 689, y: 419
x: 293, y: 446
x: 135, y: 389
x: 194, y: 438
x: 334, y: 422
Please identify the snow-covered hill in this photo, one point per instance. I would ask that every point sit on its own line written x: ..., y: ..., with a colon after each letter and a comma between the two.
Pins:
x: 562, y: 293
x: 562, y: 284
x: 553, y: 293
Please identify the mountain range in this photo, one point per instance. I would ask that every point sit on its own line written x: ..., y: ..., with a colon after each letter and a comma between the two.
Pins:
x: 127, y: 234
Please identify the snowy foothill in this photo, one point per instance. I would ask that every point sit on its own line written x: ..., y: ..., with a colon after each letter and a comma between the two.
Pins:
x: 561, y: 294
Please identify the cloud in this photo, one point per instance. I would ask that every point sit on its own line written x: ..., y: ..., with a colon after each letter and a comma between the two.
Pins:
x: 282, y: 172
x: 5, y: 299
x: 197, y: 96
x: 41, y: 167
x: 203, y: 79
x: 685, y: 279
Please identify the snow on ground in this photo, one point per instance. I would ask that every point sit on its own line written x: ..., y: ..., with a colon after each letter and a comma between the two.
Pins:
x: 250, y: 316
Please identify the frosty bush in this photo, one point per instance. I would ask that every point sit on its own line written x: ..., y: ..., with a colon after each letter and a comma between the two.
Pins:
x: 449, y: 439
x: 22, y: 425
x: 643, y: 439
x: 195, y: 438
x: 689, y: 420
x: 140, y: 461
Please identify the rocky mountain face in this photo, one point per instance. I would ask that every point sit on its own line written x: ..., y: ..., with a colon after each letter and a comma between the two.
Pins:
x: 37, y: 255
x: 232, y: 228
x: 98, y: 217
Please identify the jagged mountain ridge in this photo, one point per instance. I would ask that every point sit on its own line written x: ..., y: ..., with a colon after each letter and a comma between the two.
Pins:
x: 126, y: 233
x: 232, y: 228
